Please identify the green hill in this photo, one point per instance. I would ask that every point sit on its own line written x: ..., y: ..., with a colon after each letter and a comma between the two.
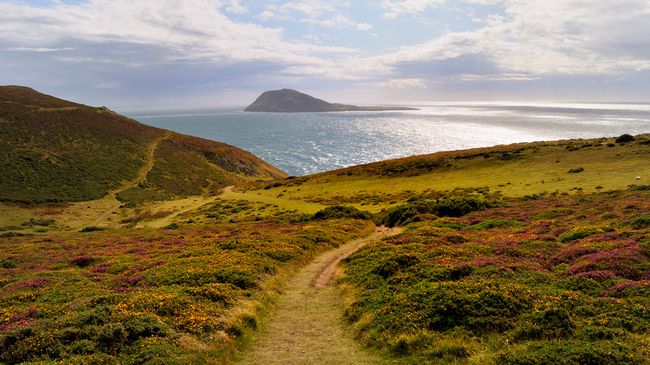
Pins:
x: 292, y: 101
x: 517, y: 170
x: 59, y: 151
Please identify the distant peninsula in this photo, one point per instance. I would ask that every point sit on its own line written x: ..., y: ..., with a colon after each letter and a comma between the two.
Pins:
x: 292, y: 101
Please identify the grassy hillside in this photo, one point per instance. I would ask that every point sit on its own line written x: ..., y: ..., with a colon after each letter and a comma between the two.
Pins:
x: 59, y: 151
x: 517, y: 170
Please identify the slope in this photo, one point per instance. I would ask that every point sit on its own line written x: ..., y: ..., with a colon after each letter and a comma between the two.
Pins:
x: 518, y: 170
x: 58, y: 151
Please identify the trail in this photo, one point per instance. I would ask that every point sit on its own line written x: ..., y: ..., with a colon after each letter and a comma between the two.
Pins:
x: 307, y: 325
x: 142, y: 174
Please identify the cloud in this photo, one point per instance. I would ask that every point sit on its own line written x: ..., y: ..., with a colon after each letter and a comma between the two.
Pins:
x: 39, y: 49
x: 264, y: 16
x: 399, y: 84
x: 236, y: 8
x: 200, y: 31
x: 536, y: 38
x: 408, y: 7
x: 175, y: 45
x: 340, y: 21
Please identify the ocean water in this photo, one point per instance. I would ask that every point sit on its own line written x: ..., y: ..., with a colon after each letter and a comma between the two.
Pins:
x: 307, y: 143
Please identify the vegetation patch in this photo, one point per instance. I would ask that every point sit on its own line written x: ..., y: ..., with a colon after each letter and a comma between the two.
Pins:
x: 536, y: 276
x: 121, y: 296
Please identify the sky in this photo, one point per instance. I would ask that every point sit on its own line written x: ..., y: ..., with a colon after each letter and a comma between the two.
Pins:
x: 142, y: 54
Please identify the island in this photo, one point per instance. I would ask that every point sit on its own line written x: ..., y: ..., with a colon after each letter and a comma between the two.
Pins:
x: 292, y: 101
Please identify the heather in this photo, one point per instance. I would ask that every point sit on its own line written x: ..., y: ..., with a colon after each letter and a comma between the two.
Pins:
x: 540, y: 280
x: 148, y: 296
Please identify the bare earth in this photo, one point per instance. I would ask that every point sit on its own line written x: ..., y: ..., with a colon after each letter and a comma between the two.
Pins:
x: 307, y: 325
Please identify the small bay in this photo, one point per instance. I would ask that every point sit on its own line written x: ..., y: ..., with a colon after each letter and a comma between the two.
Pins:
x: 307, y: 143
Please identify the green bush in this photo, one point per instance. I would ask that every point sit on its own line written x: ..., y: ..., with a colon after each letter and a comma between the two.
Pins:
x: 623, y: 138
x: 582, y: 232
x: 640, y: 221
x: 571, y: 353
x: 339, y: 211
x: 448, y: 207
x: 548, y: 324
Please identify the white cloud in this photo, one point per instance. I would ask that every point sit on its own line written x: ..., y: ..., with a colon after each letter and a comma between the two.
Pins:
x: 340, y: 21
x: 403, y: 84
x: 408, y: 7
x: 522, y: 40
x: 548, y: 38
x: 236, y: 8
x: 196, y: 31
x: 327, y: 14
x: 39, y: 49
x: 484, y: 2
x: 265, y: 16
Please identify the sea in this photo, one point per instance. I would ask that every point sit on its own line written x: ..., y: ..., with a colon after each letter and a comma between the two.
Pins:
x: 307, y: 143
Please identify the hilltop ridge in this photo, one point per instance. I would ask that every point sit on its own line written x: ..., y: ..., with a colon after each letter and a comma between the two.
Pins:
x: 292, y: 101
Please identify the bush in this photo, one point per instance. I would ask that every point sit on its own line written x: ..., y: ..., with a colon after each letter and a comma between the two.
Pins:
x: 640, y: 221
x: 624, y: 138
x: 339, y: 211
x: 580, y: 232
x: 571, y: 353
x: 448, y: 207
x: 92, y: 229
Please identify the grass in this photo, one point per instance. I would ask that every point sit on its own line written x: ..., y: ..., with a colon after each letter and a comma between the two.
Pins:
x: 534, y: 168
x: 58, y: 151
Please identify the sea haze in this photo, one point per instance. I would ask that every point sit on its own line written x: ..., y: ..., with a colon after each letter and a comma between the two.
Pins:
x: 307, y: 143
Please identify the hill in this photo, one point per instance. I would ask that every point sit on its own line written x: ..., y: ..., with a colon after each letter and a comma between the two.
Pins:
x: 533, y: 253
x: 59, y: 151
x: 517, y: 170
x: 292, y: 101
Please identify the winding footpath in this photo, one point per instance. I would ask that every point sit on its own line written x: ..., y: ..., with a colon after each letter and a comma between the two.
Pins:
x: 142, y: 174
x: 307, y: 324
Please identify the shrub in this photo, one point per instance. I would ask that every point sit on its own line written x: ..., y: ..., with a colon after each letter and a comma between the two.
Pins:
x: 623, y: 138
x: 448, y: 207
x: 640, y: 221
x: 548, y: 324
x: 82, y: 261
x: 571, y: 353
x: 92, y: 229
x: 579, y: 233
x: 639, y: 187
x: 339, y: 211
x: 7, y: 264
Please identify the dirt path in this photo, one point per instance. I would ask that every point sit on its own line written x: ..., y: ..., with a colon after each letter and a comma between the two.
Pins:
x: 142, y: 174
x: 307, y: 326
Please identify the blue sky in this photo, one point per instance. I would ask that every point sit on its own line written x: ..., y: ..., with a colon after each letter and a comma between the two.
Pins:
x: 172, y: 53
